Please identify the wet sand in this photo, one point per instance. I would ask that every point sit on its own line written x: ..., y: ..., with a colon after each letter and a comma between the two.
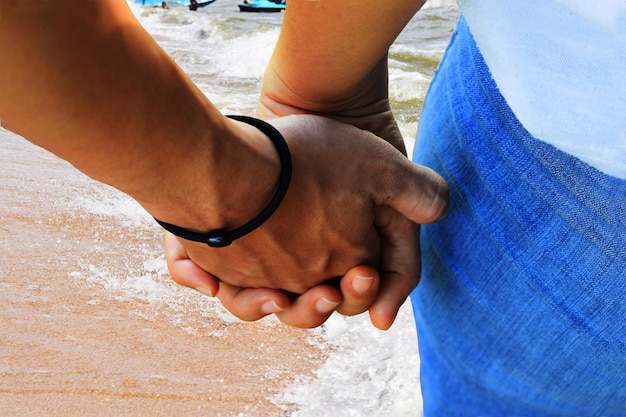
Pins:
x: 77, y: 339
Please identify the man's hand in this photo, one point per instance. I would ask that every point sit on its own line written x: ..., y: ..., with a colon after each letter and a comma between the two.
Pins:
x: 349, y: 190
x: 359, y: 288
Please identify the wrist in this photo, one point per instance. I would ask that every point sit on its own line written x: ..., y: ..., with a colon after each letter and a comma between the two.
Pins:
x: 364, y: 105
x: 247, y: 177
x: 224, y: 237
x: 217, y: 173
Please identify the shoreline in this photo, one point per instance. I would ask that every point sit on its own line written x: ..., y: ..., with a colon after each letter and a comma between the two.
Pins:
x: 92, y: 324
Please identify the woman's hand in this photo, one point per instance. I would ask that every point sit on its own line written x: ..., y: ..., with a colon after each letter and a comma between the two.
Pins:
x: 359, y: 288
x: 349, y: 190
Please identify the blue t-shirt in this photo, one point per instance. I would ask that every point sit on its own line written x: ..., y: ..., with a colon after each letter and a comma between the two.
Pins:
x: 560, y: 65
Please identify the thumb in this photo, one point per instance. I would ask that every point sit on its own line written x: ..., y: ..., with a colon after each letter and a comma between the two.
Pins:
x: 184, y: 271
x: 417, y: 192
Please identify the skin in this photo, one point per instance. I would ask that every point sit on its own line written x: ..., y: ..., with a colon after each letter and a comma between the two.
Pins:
x: 113, y: 104
x: 388, y: 228
x: 325, y: 63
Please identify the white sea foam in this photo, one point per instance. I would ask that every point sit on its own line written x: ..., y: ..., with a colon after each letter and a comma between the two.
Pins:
x: 108, y: 202
x: 369, y: 373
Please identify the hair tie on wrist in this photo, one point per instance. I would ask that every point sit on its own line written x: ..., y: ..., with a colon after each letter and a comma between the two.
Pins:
x: 220, y: 237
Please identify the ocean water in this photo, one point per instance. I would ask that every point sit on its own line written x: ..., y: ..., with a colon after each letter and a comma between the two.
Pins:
x: 368, y: 373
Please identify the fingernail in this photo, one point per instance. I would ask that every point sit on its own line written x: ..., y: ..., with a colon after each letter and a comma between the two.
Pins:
x: 205, y: 291
x: 324, y: 305
x: 270, y: 307
x: 362, y: 284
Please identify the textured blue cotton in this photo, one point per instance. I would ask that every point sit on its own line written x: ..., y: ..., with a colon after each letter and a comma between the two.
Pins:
x: 521, y: 310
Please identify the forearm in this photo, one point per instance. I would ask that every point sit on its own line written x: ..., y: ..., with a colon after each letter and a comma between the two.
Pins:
x: 85, y: 81
x: 331, y: 60
x: 328, y: 50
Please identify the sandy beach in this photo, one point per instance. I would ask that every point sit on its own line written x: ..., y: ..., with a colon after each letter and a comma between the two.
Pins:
x: 92, y: 326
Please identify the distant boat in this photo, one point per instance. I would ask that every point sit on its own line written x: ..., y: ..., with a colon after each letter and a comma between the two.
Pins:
x: 263, y: 6
x: 193, y: 4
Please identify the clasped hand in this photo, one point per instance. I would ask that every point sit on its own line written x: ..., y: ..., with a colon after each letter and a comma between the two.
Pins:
x: 354, y: 200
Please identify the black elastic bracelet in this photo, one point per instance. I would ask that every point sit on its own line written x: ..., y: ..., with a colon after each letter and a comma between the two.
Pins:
x: 220, y: 237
